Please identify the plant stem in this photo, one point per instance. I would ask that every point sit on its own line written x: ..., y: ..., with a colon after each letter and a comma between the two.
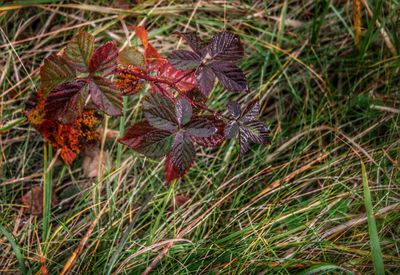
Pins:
x: 156, y: 80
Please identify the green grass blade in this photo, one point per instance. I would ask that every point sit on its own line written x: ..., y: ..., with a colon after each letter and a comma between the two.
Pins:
x: 47, y: 190
x: 17, y: 250
x: 11, y: 124
x: 126, y: 235
x: 373, y: 232
x: 325, y: 268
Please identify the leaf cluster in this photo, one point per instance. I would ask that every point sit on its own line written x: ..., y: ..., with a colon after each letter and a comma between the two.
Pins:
x: 177, y: 118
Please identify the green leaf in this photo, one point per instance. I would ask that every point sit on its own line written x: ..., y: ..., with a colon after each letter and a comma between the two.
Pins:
x: 131, y: 56
x: 106, y: 96
x: 372, y: 230
x: 80, y: 50
x: 55, y: 71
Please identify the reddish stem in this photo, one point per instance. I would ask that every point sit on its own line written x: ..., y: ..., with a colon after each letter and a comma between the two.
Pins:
x: 173, y: 85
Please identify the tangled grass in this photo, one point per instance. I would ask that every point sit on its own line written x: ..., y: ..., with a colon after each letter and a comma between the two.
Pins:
x: 327, y: 76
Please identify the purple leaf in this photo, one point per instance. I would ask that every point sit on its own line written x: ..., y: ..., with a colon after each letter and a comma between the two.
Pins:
x: 201, y: 127
x: 147, y: 140
x: 159, y: 110
x: 194, y: 42
x: 243, y: 142
x: 245, y: 125
x: 255, y: 132
x: 55, y: 71
x: 205, y: 79
x: 104, y: 59
x: 231, y: 129
x: 184, y: 60
x: 251, y: 112
x: 225, y: 46
x: 80, y: 50
x: 183, y: 110
x: 216, y: 138
x: 230, y: 76
x: 234, y: 109
x: 196, y: 96
x: 183, y: 152
x: 106, y: 96
x: 66, y: 101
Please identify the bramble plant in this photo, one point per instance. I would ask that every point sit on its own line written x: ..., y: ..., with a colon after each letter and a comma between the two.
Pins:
x: 81, y: 80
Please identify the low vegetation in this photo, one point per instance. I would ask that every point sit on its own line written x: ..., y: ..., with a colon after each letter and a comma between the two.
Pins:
x: 320, y: 196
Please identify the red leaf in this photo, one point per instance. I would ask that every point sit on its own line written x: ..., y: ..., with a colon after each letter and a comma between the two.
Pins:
x: 159, y: 111
x: 201, y: 127
x: 184, y: 83
x: 65, y: 103
x: 231, y: 129
x: 251, y: 112
x: 181, y: 157
x: 163, y: 69
x: 104, y: 59
x: 245, y: 126
x: 106, y: 96
x: 183, y: 152
x: 171, y: 172
x: 147, y: 140
x: 234, y: 109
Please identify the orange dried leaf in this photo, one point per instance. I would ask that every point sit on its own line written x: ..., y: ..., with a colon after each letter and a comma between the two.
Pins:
x: 70, y: 137
x: 128, y: 83
x: 150, y: 53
